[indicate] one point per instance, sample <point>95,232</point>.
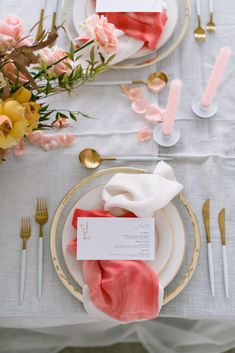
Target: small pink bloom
<point>144,134</point>
<point>11,28</point>
<point>51,55</point>
<point>19,149</point>
<point>140,107</point>
<point>10,72</point>
<point>154,114</point>
<point>102,32</point>
<point>60,123</point>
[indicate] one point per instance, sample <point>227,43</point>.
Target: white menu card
<point>129,5</point>
<point>115,238</point>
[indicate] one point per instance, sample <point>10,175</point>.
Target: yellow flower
<point>22,95</point>
<point>13,123</point>
<point>32,115</point>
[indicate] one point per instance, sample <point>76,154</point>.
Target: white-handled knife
<point>206,219</point>
<point>221,220</point>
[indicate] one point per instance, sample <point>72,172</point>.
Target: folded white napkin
<point>142,194</point>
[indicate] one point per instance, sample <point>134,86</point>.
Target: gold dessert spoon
<point>91,159</point>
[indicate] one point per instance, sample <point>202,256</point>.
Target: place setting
<point>124,241</point>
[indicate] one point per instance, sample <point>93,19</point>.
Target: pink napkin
<point>144,26</point>
<point>124,290</point>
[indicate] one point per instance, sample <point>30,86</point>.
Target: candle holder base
<point>204,112</point>
<point>164,140</point>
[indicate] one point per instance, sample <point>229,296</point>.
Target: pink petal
<point>140,107</point>
<point>144,134</point>
<point>125,89</point>
<point>154,114</point>
<point>83,38</point>
<point>136,94</point>
<point>35,137</point>
<point>157,85</point>
<point>19,149</point>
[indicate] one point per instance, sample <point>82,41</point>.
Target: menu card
<point>129,5</point>
<point>115,238</point>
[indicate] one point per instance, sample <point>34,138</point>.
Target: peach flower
<point>144,134</point>
<point>51,55</point>
<point>102,32</point>
<point>60,123</point>
<point>11,33</point>
<point>10,72</point>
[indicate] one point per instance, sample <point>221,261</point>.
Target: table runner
<point>204,161</point>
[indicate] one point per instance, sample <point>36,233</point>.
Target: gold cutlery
<point>25,235</point>
<point>206,219</point>
<point>157,76</point>
<point>91,159</point>
<point>199,32</point>
<point>221,220</point>
<point>41,218</point>
<point>210,27</point>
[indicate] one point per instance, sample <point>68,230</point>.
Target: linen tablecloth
<point>204,162</point>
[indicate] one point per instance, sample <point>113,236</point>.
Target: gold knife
<point>206,219</point>
<point>221,220</point>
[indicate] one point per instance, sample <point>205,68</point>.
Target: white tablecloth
<point>204,161</point>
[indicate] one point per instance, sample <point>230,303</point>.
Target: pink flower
<point>51,55</point>
<point>60,123</point>
<point>144,134</point>
<point>102,32</point>
<point>10,72</point>
<point>11,31</point>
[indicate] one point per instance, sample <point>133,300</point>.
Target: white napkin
<point>142,194</point>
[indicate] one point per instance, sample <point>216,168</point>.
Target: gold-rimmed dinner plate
<point>139,57</point>
<point>170,239</point>
<point>192,234</point>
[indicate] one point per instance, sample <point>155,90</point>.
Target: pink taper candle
<point>216,74</point>
<point>171,108</point>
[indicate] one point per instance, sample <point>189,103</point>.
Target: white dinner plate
<point>170,236</point>
<point>129,48</point>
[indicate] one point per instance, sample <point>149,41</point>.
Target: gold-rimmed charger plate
<point>60,215</point>
<point>159,54</point>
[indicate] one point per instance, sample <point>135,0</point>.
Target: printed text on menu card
<point>129,5</point>
<point>115,238</point>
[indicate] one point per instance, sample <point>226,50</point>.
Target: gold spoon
<point>154,79</point>
<point>91,159</point>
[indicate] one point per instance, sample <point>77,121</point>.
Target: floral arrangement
<point>31,71</point>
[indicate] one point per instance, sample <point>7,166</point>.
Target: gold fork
<point>25,235</point>
<point>199,32</point>
<point>211,25</point>
<point>41,218</point>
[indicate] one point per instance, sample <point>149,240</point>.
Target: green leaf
<point>72,116</point>
<point>71,52</point>
<point>92,55</point>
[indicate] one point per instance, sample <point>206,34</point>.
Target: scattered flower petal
<point>156,85</point>
<point>154,114</point>
<point>144,134</point>
<point>48,142</point>
<point>140,107</point>
<point>19,149</point>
